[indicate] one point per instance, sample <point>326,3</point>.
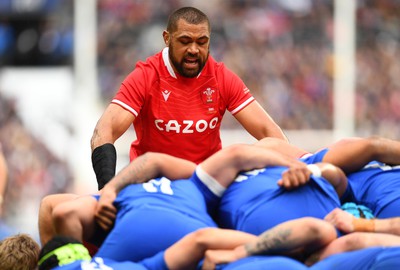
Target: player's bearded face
<point>189,64</point>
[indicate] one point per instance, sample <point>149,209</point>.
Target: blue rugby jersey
<point>154,215</point>
<point>255,203</point>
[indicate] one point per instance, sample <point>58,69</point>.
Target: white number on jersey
<point>244,176</point>
<point>382,166</point>
<point>162,185</point>
<point>96,264</point>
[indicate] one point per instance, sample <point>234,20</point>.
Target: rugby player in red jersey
<point>176,100</point>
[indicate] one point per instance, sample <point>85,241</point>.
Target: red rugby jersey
<point>177,115</point>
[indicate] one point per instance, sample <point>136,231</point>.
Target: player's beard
<point>179,66</point>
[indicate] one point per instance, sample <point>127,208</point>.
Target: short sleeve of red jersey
<point>234,92</point>
<point>132,92</point>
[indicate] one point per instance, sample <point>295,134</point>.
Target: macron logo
<point>166,94</point>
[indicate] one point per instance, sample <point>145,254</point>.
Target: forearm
<point>228,162</point>
<point>112,124</point>
<point>258,122</point>
<point>141,169</point>
<point>151,165</point>
<point>351,154</point>
<point>390,225</point>
<point>293,237</point>
<point>385,150</point>
<point>281,146</point>
<point>187,252</point>
<point>104,162</point>
<point>104,153</point>
<point>100,138</point>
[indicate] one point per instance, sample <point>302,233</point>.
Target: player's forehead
<point>185,29</point>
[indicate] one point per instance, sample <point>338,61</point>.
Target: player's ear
<point>166,37</point>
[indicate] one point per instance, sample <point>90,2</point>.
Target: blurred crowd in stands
<point>283,50</point>
<point>36,32</point>
<point>33,172</point>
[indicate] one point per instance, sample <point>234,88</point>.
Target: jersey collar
<point>168,65</point>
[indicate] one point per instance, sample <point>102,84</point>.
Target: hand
<point>295,176</point>
<point>105,210</point>
<point>341,220</point>
<point>215,257</point>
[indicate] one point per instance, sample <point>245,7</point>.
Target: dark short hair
<point>189,14</point>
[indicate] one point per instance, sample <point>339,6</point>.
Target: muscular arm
<point>281,146</point>
<point>258,122</point>
<point>352,154</point>
<point>223,246</point>
<point>111,125</point>
<point>362,233</point>
<point>225,164</point>
<point>141,169</point>
<point>347,223</point>
<point>295,238</point>
<point>389,225</point>
<point>188,251</point>
<point>149,166</point>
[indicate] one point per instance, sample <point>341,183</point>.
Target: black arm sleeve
<point>104,161</point>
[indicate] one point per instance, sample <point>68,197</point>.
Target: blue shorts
<point>156,262</point>
<point>142,233</point>
<point>369,258</point>
<point>264,262</point>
